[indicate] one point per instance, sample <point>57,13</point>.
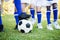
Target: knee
<point>54,5</point>
<point>32,6</point>
<point>38,9</point>
<point>48,7</point>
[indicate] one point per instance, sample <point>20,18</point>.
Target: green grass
<point>36,34</point>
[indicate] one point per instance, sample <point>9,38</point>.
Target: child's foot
<point>49,27</point>
<point>1,28</point>
<point>40,26</point>
<point>56,25</point>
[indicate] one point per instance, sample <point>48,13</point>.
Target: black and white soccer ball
<point>25,26</point>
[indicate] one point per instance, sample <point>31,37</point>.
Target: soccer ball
<point>25,26</point>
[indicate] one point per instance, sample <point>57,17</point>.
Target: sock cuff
<point>38,12</point>
<point>15,14</point>
<point>48,11</point>
<point>31,8</point>
<point>54,9</point>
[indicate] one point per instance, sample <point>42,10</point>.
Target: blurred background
<point>8,8</point>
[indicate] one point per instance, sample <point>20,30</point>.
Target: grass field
<point>36,34</point>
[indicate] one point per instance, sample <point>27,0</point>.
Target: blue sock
<point>48,16</point>
<point>32,11</point>
<point>39,17</point>
<point>55,13</point>
<point>0,21</point>
<point>16,18</point>
<point>18,8</point>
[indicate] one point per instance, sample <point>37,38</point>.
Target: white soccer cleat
<point>40,26</point>
<point>33,21</point>
<point>49,27</point>
<point>56,25</point>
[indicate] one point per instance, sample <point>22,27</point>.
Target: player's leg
<point>1,25</point>
<point>18,12</point>
<point>32,11</point>
<point>39,16</point>
<point>48,13</point>
<point>23,7</point>
<point>55,11</point>
<point>55,14</point>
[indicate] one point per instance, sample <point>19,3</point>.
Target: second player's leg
<point>32,11</point>
<point>55,14</point>
<point>48,13</point>
<point>18,11</point>
<point>39,16</point>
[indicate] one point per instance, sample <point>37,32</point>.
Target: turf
<point>36,34</point>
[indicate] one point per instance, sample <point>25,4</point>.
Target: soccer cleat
<point>24,16</point>
<point>49,27</point>
<point>56,25</point>
<point>40,26</point>
<point>33,21</point>
<point>1,28</point>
